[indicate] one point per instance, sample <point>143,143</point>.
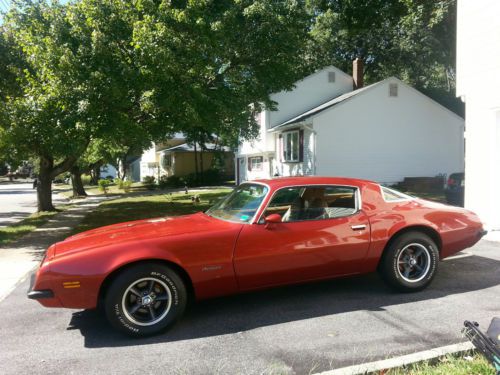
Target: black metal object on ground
<point>487,344</point>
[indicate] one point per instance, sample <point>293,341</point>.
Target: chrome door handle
<point>358,227</point>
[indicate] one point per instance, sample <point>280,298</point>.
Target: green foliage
<point>86,180</point>
<point>210,177</point>
<point>413,40</point>
<point>149,182</point>
<point>104,185</point>
<point>124,185</point>
<point>170,182</point>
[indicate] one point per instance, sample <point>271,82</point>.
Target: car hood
<point>139,230</point>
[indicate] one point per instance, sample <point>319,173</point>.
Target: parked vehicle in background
<point>454,190</point>
<point>265,233</point>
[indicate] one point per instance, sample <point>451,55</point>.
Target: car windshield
<point>241,205</point>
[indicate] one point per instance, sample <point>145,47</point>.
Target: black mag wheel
<point>414,262</point>
<point>410,262</point>
<point>145,299</point>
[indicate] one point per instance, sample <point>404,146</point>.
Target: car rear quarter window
<point>391,195</point>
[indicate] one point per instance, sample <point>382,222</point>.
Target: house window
<point>255,163</point>
<point>166,160</point>
<point>291,146</point>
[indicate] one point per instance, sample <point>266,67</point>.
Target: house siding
<point>309,93</point>
<point>390,138</point>
<point>478,83</point>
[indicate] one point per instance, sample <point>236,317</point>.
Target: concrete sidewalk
<point>20,257</point>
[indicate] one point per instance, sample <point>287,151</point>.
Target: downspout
<point>313,146</point>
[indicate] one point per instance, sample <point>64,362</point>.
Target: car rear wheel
<point>410,262</point>
<point>145,299</point>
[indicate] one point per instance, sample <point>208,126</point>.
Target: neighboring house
<point>478,83</point>
<point>134,174</point>
<point>384,132</point>
<point>176,157</point>
<point>150,159</point>
<point>180,160</point>
<point>108,171</point>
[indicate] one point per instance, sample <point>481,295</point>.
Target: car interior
<point>313,203</point>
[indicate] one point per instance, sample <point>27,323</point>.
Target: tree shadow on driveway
<point>245,312</point>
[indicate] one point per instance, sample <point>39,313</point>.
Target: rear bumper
<point>483,233</point>
<point>38,294</point>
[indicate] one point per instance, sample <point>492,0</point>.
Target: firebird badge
<point>211,268</point>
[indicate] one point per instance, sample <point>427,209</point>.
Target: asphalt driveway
<point>298,329</point>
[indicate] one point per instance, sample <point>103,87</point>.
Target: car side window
<point>313,203</point>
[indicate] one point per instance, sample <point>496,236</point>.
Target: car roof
<point>278,182</point>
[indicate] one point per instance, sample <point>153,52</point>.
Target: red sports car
<point>265,233</point>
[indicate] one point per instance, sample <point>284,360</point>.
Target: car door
<point>314,242</point>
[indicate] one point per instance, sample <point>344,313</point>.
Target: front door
<point>323,234</point>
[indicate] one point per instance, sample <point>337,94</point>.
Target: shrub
<point>123,185</point>
<point>149,182</point>
<point>126,185</point>
<point>170,182</point>
<point>119,183</point>
<point>210,177</point>
<point>104,185</point>
<point>86,180</point>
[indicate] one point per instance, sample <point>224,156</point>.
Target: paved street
<point>17,201</point>
<point>299,329</point>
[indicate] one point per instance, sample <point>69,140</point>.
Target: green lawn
<point>66,190</point>
<point>143,207</point>
<point>19,229</point>
<point>449,365</point>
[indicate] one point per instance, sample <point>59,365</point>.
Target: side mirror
<point>272,219</point>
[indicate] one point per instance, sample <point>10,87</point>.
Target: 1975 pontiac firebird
<point>265,233</point>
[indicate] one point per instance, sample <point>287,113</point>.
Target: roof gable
<point>333,103</point>
<point>311,91</point>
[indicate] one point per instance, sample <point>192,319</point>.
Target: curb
<point>404,360</point>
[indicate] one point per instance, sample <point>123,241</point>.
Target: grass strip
<point>145,207</point>
<point>15,231</point>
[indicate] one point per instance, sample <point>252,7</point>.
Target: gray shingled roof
<point>190,148</point>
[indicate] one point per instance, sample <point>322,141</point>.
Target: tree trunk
<point>76,181</point>
<point>44,186</point>
<point>201,165</point>
<point>196,163</point>
<point>95,174</point>
<point>124,168</point>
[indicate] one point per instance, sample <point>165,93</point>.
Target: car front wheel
<point>145,299</point>
<point>410,262</point>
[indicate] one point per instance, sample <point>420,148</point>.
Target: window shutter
<point>280,147</point>
<point>249,164</point>
<point>301,145</point>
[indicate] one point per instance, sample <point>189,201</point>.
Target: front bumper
<point>38,294</point>
<point>483,233</point>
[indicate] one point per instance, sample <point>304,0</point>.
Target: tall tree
<point>211,64</point>
<point>414,40</point>
<point>75,83</point>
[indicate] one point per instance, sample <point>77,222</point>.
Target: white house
<point>478,84</point>
<point>384,132</point>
